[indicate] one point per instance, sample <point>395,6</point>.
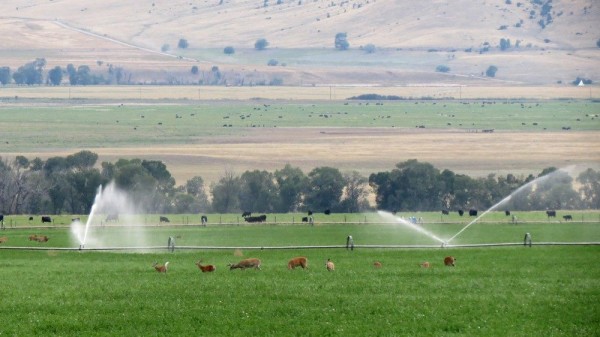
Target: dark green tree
<point>55,75</point>
<point>182,44</point>
<point>355,193</point>
<point>491,71</point>
<point>341,41</point>
<point>194,70</point>
<point>590,188</point>
<point>229,50</point>
<point>325,188</point>
<point>258,192</point>
<point>5,75</point>
<point>261,44</point>
<point>291,182</point>
<point>226,194</point>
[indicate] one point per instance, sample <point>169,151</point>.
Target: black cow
<point>327,212</point>
<point>309,212</point>
<point>304,219</point>
<point>112,217</point>
<point>568,217</point>
<point>204,219</point>
<point>551,214</point>
<point>445,212</point>
<point>260,218</point>
<point>1,217</point>
<point>164,219</point>
<point>472,212</point>
<point>245,214</point>
<point>46,219</point>
<point>30,218</point>
<point>507,212</point>
<point>461,212</point>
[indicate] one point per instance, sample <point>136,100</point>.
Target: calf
<point>304,219</point>
<point>163,219</point>
<point>244,264</point>
<point>300,261</point>
<point>449,261</point>
<point>551,214</point>
<point>568,217</point>
<point>46,219</point>
<point>3,239</point>
<point>377,264</point>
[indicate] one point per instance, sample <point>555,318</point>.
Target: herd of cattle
<point>474,212</point>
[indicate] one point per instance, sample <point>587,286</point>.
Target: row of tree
<point>69,185</point>
<point>33,73</point>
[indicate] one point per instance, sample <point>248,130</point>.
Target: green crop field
<point>90,125</point>
<point>498,291</point>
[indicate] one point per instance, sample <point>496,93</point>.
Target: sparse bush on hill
<point>341,41</point>
<point>369,48</point>
<point>491,71</point>
<point>261,44</point>
<point>598,43</point>
<point>30,73</point>
<point>504,44</point>
<point>272,62</point>
<point>442,68</point>
<point>182,44</point>
<point>228,50</point>
<point>165,48</point>
<point>194,70</point>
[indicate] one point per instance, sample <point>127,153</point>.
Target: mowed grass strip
<point>518,291</point>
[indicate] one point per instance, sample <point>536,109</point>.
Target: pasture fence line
<point>172,249</point>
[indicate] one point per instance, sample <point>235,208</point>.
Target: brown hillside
<point>411,39</point>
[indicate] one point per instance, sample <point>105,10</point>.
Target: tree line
<point>68,185</point>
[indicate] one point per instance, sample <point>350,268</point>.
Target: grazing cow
<point>30,218</point>
<point>472,212</point>
<point>551,214</point>
<point>310,212</point>
<point>112,217</point>
<point>425,264</point>
<point>445,212</point>
<point>46,219</point>
<point>245,214</point>
<point>304,219</point>
<point>3,239</point>
<point>33,237</point>
<point>461,212</point>
<point>164,219</point>
<point>377,264</point>
<point>204,220</point>
<point>244,264</point>
<point>329,264</point>
<point>299,261</point>
<point>507,212</point>
<point>568,217</point>
<point>327,212</point>
<point>449,261</point>
<point>75,219</point>
<point>260,218</point>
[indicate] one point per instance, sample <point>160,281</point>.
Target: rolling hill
<point>391,42</point>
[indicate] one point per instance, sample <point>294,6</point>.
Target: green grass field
<point>501,291</point>
<point>90,126</point>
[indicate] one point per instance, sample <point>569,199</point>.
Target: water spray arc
<point>501,202</point>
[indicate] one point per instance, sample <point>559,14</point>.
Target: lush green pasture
<point>517,291</point>
<point>90,125</point>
